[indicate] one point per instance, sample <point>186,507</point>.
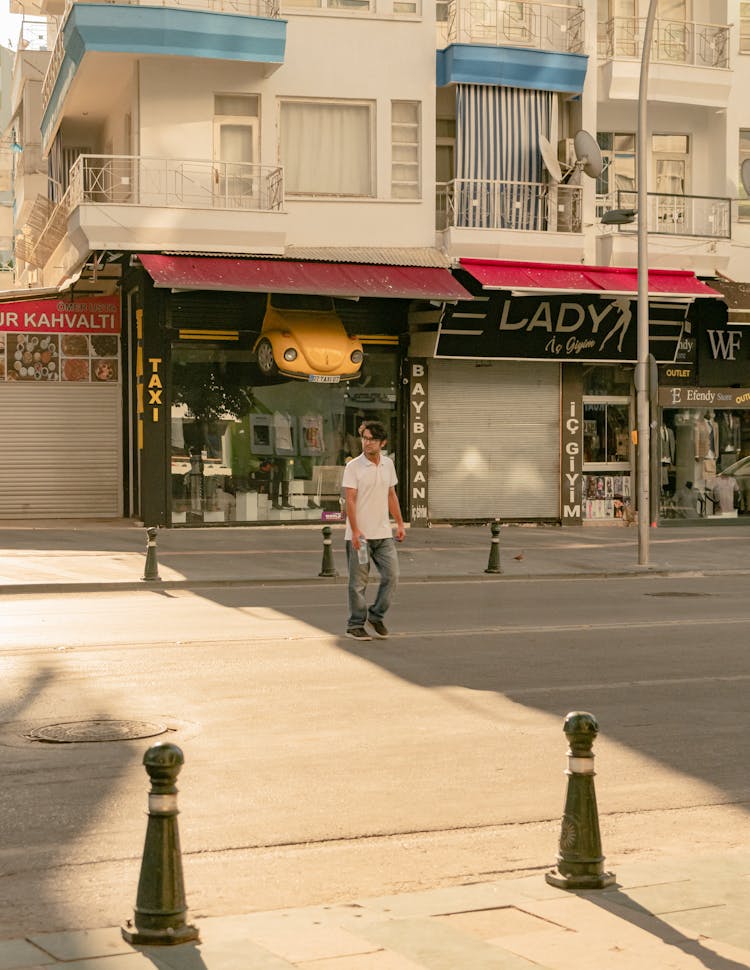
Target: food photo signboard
<point>61,340</point>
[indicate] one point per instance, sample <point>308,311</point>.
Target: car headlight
<point>290,354</point>
<point>357,357</point>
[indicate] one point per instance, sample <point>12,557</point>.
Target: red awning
<point>288,276</point>
<point>563,277</point>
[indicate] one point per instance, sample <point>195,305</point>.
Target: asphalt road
<point>318,768</point>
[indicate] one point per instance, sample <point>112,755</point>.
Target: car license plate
<point>324,378</point>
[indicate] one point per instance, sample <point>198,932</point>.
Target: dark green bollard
<point>493,563</point>
<point>151,569</point>
<point>580,863</point>
<point>160,907</point>
<point>327,568</point>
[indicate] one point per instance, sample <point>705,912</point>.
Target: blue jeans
<point>383,555</point>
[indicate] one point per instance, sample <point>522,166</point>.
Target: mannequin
<point>706,445</point>
<point>666,452</point>
<point>729,438</point>
<point>684,448</point>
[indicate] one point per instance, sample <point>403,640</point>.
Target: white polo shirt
<point>372,483</point>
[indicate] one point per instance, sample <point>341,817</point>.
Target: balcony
<point>675,42</point>
<point>248,31</point>
<point>689,61</point>
<point>506,23</point>
<point>145,192</point>
<point>701,216</point>
<point>524,206</point>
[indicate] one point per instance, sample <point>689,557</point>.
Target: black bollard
<point>327,568</point>
<point>580,863</point>
<point>493,563</point>
<point>151,569</point>
<point>160,907</point>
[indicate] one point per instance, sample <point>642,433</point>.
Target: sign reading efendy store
<point>497,325</point>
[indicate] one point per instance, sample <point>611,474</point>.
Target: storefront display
<point>266,452</point>
<point>703,452</point>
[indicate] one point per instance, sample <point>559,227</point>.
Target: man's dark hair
<point>376,429</point>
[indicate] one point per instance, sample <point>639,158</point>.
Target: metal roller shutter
<point>494,439</point>
<point>62,454</point>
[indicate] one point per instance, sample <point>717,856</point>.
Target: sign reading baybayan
<point>95,314</point>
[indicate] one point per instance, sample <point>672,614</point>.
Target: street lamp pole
<point>642,368</point>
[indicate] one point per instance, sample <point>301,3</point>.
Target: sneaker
<point>381,630</point>
<point>358,633</point>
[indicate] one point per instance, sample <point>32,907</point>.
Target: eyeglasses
<point>368,437</point>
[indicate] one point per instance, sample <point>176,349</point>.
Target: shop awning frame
<point>528,278</point>
<point>344,280</point>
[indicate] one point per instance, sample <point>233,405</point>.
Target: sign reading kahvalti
<point>93,314</point>
<point>554,327</point>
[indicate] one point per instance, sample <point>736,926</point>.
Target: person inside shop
<point>369,484</point>
<point>686,501</point>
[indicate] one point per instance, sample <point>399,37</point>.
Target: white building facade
<point>197,165</point>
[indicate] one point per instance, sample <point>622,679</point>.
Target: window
<point>670,154</point>
<point>743,206</point>
<point>405,153</point>
<point>326,148</point>
<point>236,149</point>
<point>744,26</point>
<point>618,154</point>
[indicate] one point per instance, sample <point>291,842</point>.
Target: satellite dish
<point>588,154</point>
<point>745,175</point>
<point>549,158</point>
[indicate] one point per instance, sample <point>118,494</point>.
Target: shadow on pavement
<point>53,793</point>
<point>619,904</point>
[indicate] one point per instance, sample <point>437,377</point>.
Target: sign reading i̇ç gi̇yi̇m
<point>95,314</point>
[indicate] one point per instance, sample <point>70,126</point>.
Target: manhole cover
<point>77,732</point>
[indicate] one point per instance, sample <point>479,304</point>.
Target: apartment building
<point>240,230</point>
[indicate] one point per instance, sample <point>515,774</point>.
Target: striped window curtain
<point>499,168</point>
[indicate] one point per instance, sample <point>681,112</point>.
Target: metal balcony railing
<point>705,216</point>
<point>246,8</point>
<point>494,204</point>
<point>675,41</point>
<point>515,23</point>
<point>132,180</point>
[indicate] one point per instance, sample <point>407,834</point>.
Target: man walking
<point>370,487</point>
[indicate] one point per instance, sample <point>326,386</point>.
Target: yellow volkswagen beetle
<point>303,337</point>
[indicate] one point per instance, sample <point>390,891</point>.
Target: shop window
<point>701,472</point>
<point>326,148</point>
<point>607,421</point>
<point>602,381</point>
<point>247,451</point>
<point>405,149</point>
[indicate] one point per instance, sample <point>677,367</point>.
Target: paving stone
<point>378,960</point>
<point>435,946</point>
<point>490,924</point>
<point>82,944</point>
<point>21,953</point>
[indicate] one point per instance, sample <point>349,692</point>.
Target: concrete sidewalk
<point>682,913</point>
<point>103,555</point>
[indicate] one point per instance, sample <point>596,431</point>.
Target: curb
<point>125,586</point>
